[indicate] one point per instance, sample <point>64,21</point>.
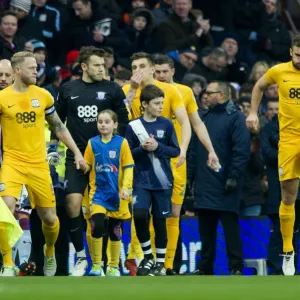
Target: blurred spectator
<point>271,92</point>
<point>109,60</point>
<point>112,8</point>
<point>90,25</point>
<point>76,73</point>
<point>249,16</point>
<point>9,42</point>
<point>258,70</point>
<point>138,33</point>
<point>182,29</point>
<point>49,19</point>
<point>27,27</point>
<point>220,14</point>
<point>123,77</point>
<point>162,10</point>
<point>134,4</point>
<point>246,90</point>
<point>196,82</point>
<point>253,196</point>
<point>218,194</point>
<point>53,87</point>
<point>184,62</point>
<point>236,71</point>
<point>273,38</point>
<point>271,110</point>
<point>70,59</point>
<point>212,66</point>
<point>245,103</point>
<point>234,95</point>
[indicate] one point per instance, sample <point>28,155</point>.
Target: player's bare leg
<point>9,268</point>
<point>173,234</point>
<point>50,226</point>
<point>73,207</point>
<point>289,189</point>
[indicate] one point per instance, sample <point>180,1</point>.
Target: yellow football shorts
<point>289,159</point>
<point>179,185</point>
<point>36,179</point>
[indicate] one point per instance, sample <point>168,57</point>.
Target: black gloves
<point>230,185</point>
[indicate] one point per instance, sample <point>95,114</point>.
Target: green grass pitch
<point>125,288</point>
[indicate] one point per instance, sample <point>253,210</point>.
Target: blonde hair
<point>256,65</point>
<point>113,116</point>
<point>19,58</point>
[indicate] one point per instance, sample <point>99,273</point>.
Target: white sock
<point>24,246</point>
<point>81,254</point>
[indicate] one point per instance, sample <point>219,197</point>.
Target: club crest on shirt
<point>112,154</point>
<point>2,187</point>
<point>160,133</point>
<point>101,95</point>
<point>35,103</point>
<point>43,18</point>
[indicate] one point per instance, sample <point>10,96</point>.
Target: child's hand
<point>124,194</point>
<point>84,166</point>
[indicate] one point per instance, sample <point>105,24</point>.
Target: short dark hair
<point>7,13</point>
<point>161,59</point>
<point>123,75</point>
<point>223,87</point>
<point>150,92</point>
<point>85,2</point>
<point>86,52</point>
<point>140,55</point>
<point>272,100</point>
<point>296,41</point>
<point>217,53</point>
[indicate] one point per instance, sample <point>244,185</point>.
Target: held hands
<point>204,24</point>
<point>79,161</point>
<point>150,144</point>
<point>125,194</point>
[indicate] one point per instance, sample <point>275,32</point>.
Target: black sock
<point>143,234</point>
<point>75,232</point>
<point>161,240</point>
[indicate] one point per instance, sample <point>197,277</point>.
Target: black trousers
<point>208,222</point>
<point>61,246</point>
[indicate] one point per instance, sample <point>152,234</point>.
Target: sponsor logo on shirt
<point>108,168</point>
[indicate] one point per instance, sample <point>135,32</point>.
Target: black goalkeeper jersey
<point>79,103</point>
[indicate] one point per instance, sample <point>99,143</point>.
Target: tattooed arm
<point>57,127</point>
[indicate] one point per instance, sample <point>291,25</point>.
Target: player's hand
<point>182,158</point>
<point>252,122</point>
<point>79,161</point>
<point>151,144</point>
<point>124,194</point>
<point>213,161</point>
<point>136,80</point>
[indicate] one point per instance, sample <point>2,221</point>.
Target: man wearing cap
<point>27,27</point>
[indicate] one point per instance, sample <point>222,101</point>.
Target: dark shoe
<point>27,269</point>
<point>171,272</point>
<point>198,272</point>
<point>236,272</point>
<point>145,267</point>
<point>159,269</point>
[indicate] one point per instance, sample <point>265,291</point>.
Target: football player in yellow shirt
<point>23,109</point>
<point>287,77</point>
<point>143,74</point>
<point>164,72</point>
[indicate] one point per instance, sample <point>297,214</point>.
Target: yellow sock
<point>152,237</point>
<point>287,220</point>
<point>50,234</point>
<point>108,251</point>
<point>5,248</point>
<point>97,250</point>
<point>135,249</point>
<point>173,234</point>
<point>89,235</point>
<point>115,250</point>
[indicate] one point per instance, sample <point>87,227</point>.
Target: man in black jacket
<point>218,194</point>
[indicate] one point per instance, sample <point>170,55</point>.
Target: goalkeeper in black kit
<point>79,103</point>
